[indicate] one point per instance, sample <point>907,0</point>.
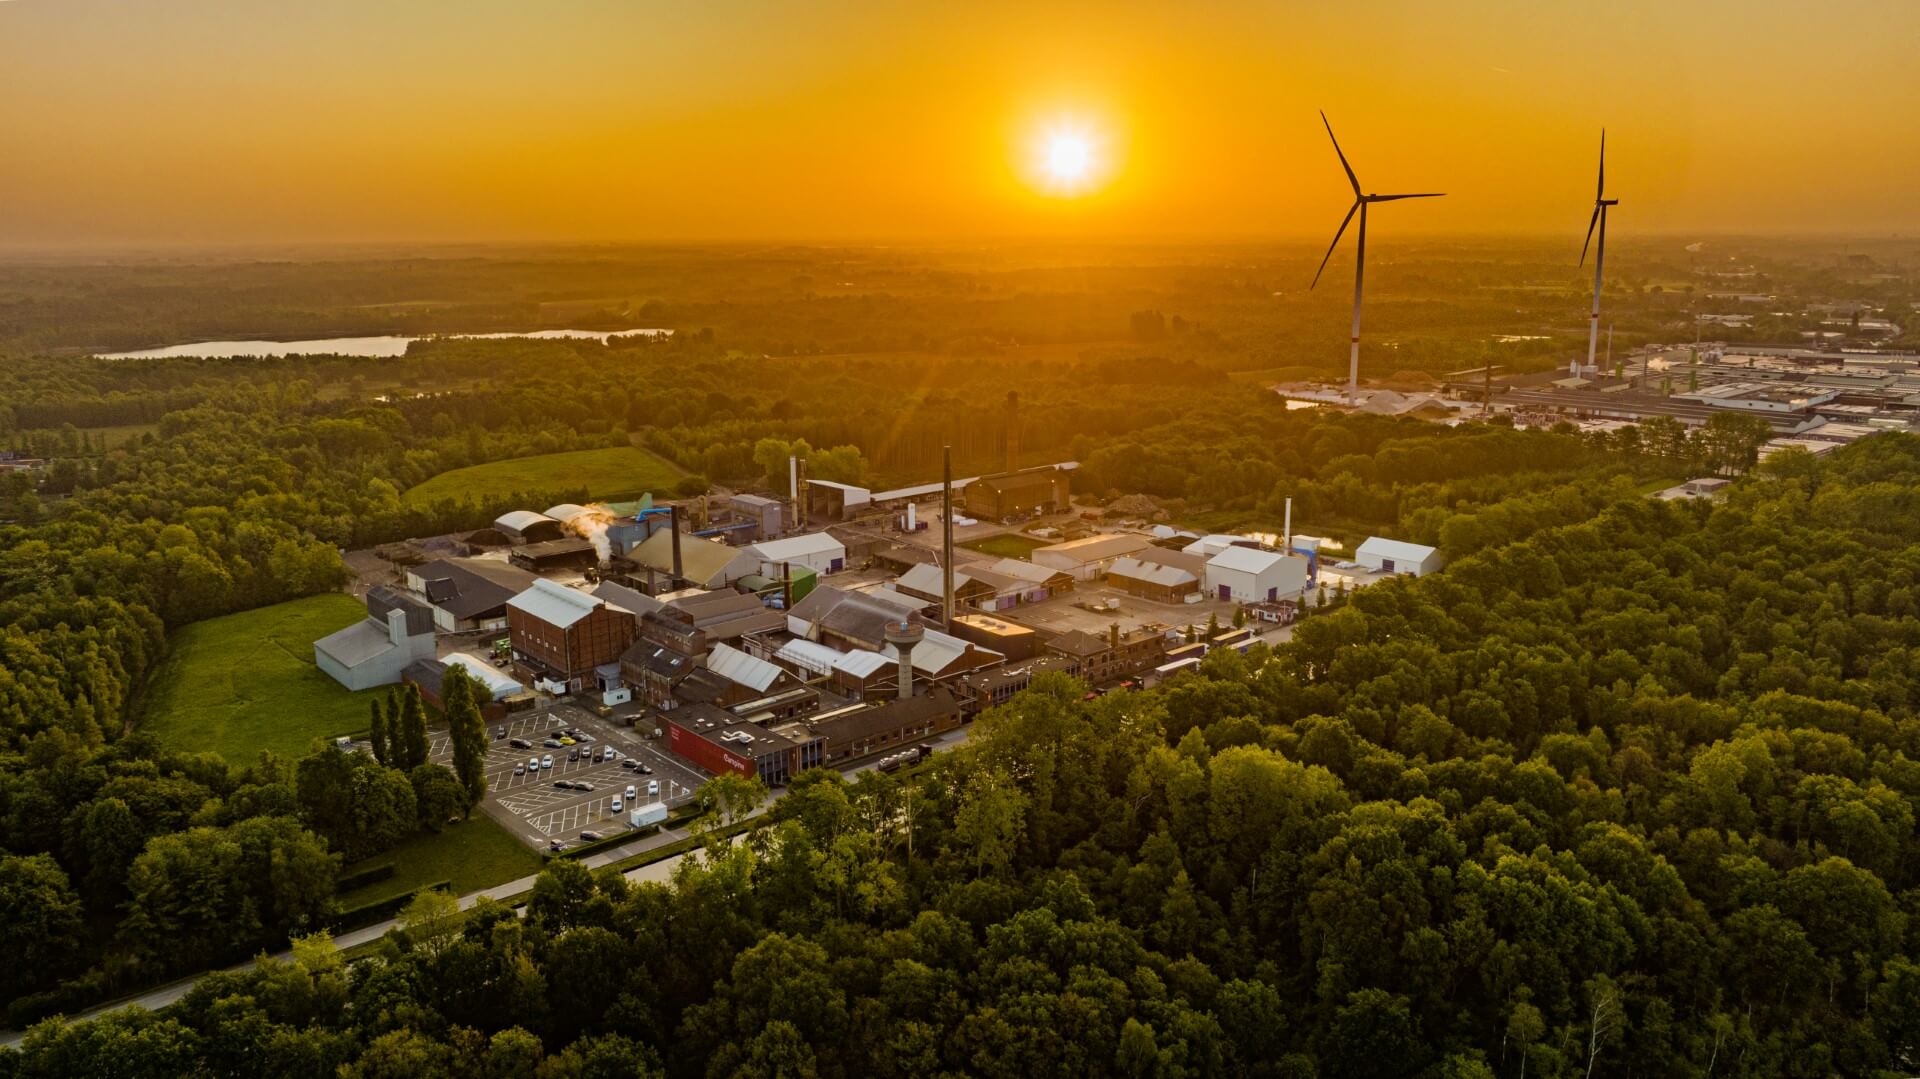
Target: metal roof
<point>1150,572</point>
<point>1096,547</point>
<point>1026,571</point>
<point>796,547</point>
<point>736,666</point>
<point>861,663</point>
<point>554,604</point>
<point>520,520</point>
<point>357,643</point>
<point>1246,560</point>
<point>1398,550</point>
<point>801,652</point>
<point>497,683</point>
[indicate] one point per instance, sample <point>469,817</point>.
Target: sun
<point>1069,159</point>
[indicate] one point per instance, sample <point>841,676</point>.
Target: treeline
<point>1633,794</point>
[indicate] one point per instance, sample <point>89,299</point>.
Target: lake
<point>355,346</point>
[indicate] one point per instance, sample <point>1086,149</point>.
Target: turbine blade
<point>1351,210</point>
<point>1600,190</point>
<point>1351,178</point>
<point>1393,198</point>
<point>1595,220</point>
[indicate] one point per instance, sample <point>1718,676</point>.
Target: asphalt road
<point>659,872</point>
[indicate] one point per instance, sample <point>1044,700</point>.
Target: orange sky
<point>196,121</point>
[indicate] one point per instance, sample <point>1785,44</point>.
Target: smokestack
<point>800,513</point>
<point>673,522</point>
<point>903,635</point>
<point>786,587</point>
<point>1286,532</point>
<point>946,545</point>
<point>1113,636</point>
<point>1013,431</point>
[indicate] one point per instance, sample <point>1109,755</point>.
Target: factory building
<point>1087,558</point>
<point>1152,580</point>
<point>554,556</point>
<point>1026,493</point>
<point>704,563</point>
<point>1251,575</point>
<point>817,551</point>
<point>468,593</point>
<point>1010,639</point>
<point>560,635</point>
<point>397,631</point>
<point>1393,556</point>
<point>767,514</point>
<point>927,581</point>
<point>525,526</point>
<point>1103,659</point>
<point>1034,583</point>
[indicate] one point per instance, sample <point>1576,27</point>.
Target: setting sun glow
<point>1069,160</point>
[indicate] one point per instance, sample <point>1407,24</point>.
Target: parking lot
<point>520,789</point>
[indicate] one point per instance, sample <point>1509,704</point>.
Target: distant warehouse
<point>1394,556</point>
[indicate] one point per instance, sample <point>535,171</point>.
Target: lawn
<point>615,472</point>
<point>245,682</point>
<point>474,854</point>
<point>1005,545</point>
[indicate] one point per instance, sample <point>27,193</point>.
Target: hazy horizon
<point>211,124</point>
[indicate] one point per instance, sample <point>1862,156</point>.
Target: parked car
<point>563,784</point>
<point>556,846</point>
<point>565,741</point>
<point>573,754</point>
<point>617,805</point>
<point>629,764</point>
<point>499,733</point>
<point>632,791</point>
<point>520,743</point>
<point>533,764</point>
<point>645,770</point>
<point>589,836</point>
<point>653,788</point>
<point>582,785</point>
<point>552,743</point>
<point>519,769</point>
<point>546,761</point>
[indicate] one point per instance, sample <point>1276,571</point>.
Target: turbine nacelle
<point>1360,201</point>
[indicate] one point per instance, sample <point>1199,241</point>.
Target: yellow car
<point>565,741</point>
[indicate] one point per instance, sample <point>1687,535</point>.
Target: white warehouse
<point>1395,556</point>
<point>1250,575</point>
<point>817,551</point>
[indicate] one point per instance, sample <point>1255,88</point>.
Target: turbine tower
<point>1360,204</point>
<point>1599,220</point>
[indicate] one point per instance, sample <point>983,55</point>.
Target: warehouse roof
<point>935,653</point>
<point>1246,559</point>
<point>794,548</point>
<point>466,587</point>
<point>1397,550</point>
<point>1151,572</point>
<point>627,599</point>
<point>498,684</point>
<point>520,520</point>
<point>357,643</point>
<point>1026,571</point>
<point>861,663</point>
<point>1160,556</point>
<point>700,559</point>
<point>927,577</point>
<point>554,604</point>
<point>1097,547</point>
<point>736,666</point>
<point>849,614</point>
<point>382,599</point>
<point>814,657</point>
<point>565,511</point>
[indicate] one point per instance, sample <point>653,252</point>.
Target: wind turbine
<point>1599,220</point>
<point>1360,204</point>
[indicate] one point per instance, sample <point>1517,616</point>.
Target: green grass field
<point>473,854</point>
<point>615,472</point>
<point>245,682</point>
<point>1005,545</point>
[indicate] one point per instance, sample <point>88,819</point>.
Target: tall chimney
<point>903,635</point>
<point>946,545</point>
<point>1286,530</point>
<point>1113,636</point>
<point>673,522</point>
<point>786,587</point>
<point>1013,431</point>
<point>800,513</point>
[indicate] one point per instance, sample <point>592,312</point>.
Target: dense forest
<point>1630,791</point>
